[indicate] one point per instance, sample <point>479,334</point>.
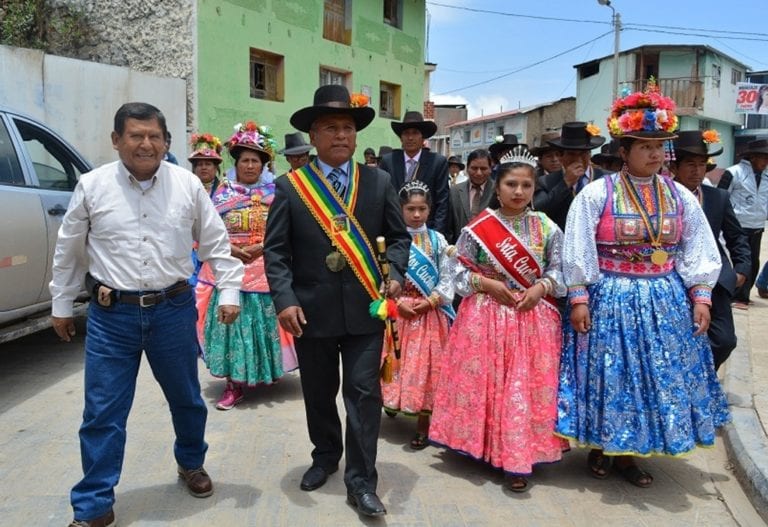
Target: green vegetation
<point>41,24</point>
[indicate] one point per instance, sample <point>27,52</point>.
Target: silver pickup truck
<point>38,171</point>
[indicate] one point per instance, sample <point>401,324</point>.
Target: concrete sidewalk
<point>746,376</point>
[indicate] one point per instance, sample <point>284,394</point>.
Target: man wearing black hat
<point>609,159</point>
<point>689,168</point>
<point>413,161</point>
<point>296,150</point>
<point>323,221</point>
<point>747,183</point>
<point>555,191</point>
<point>455,171</point>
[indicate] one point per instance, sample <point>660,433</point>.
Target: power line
<point>529,65</point>
<point>740,53</point>
<point>700,29</point>
<point>632,28</point>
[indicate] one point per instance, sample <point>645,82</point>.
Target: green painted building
<point>263,60</point>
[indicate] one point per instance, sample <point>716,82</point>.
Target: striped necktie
<point>336,179</point>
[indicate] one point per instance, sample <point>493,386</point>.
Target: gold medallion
<point>335,261</point>
<point>659,257</point>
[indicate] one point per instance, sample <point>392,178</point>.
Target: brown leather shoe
<point>107,520</point>
<point>198,482</point>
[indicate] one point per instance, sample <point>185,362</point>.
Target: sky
<point>471,47</point>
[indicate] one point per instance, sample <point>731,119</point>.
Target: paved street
<point>259,450</point>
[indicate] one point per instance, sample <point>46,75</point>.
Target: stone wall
<point>144,35</point>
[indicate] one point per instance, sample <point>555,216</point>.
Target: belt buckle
<point>149,296</point>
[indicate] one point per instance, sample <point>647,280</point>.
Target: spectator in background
<point>456,171</point>
<point>547,155</point>
<point>296,150</point>
<point>609,159</point>
<point>370,157</point>
<point>168,155</point>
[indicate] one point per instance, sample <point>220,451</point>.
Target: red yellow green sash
<point>325,205</point>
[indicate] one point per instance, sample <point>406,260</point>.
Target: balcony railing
<point>687,92</point>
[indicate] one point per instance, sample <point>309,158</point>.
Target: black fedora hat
<point>692,142</point>
<point>544,146</point>
<point>575,136</point>
<point>332,99</point>
<point>414,119</point>
<point>503,143</point>
<point>759,146</point>
<point>456,160</point>
<point>295,145</point>
<point>608,152</point>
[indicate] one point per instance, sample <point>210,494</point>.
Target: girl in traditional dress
<point>497,396</point>
<point>425,314</point>
<point>640,261</point>
<point>253,350</point>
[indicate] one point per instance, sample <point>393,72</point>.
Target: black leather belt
<point>154,297</point>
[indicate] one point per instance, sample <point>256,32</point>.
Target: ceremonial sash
<point>507,252</point>
<point>347,237</point>
<point>423,273</point>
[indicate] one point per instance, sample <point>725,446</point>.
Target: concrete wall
<point>550,118</point>
<point>720,98</point>
<point>79,99</point>
<point>378,52</point>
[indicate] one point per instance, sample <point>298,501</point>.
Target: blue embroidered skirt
<point>639,382</point>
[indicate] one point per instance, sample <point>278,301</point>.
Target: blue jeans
<point>114,342</point>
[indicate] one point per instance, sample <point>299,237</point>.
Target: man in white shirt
<point>130,225</point>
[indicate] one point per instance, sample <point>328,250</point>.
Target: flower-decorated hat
<point>334,99</point>
<point>253,137</point>
<point>578,135</point>
<point>698,143</point>
<point>643,115</point>
<point>205,147</point>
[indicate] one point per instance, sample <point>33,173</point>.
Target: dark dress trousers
<point>335,306</point>
<point>553,197</point>
<point>460,207</point>
<point>717,207</point>
<point>433,172</point>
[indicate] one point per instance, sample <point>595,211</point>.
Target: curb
<point>745,439</point>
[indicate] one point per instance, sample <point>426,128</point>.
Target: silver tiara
<point>415,184</point>
<point>519,154</point>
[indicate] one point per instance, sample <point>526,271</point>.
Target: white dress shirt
<point>133,239</point>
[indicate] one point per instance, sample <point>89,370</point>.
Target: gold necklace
<point>659,256</point>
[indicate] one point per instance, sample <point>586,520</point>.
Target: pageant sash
<point>347,237</point>
<point>507,252</point>
<point>424,274</point>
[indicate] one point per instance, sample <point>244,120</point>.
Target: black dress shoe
<point>316,476</point>
<point>367,504</point>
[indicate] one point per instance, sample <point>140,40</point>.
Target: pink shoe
<point>233,394</point>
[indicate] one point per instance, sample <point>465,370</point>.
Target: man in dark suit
<point>461,194</point>
<point>321,301</point>
<point>555,191</point>
<point>689,167</point>
<point>413,161</point>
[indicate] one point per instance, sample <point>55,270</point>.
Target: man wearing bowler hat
<point>747,183</point>
<point>296,150</point>
<point>609,159</point>
<point>413,161</point>
<point>692,150</point>
<point>322,225</point>
<point>555,191</point>
<point>456,171</point>
<point>547,155</point>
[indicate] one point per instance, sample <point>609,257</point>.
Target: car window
<point>52,161</point>
<point>10,169</point>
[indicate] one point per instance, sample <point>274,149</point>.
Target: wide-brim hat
<point>295,145</point>
<point>759,146</point>
<point>695,142</point>
<point>456,160</point>
<point>544,145</point>
<point>608,152</point>
<point>646,114</point>
<point>383,150</point>
<point>503,143</point>
<point>205,147</point>
<point>413,119</point>
<point>577,135</point>
<point>334,99</point>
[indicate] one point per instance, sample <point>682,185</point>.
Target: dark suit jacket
<point>717,207</point>
<point>433,172</point>
<point>295,248</point>
<point>553,197</point>
<point>460,207</point>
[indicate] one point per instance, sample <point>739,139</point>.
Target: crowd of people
<point>520,302</point>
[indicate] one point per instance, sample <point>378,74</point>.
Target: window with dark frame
<point>266,75</point>
<point>389,100</point>
<point>393,13</point>
<point>331,76</point>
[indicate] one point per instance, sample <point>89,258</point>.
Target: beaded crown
<point>519,154</point>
